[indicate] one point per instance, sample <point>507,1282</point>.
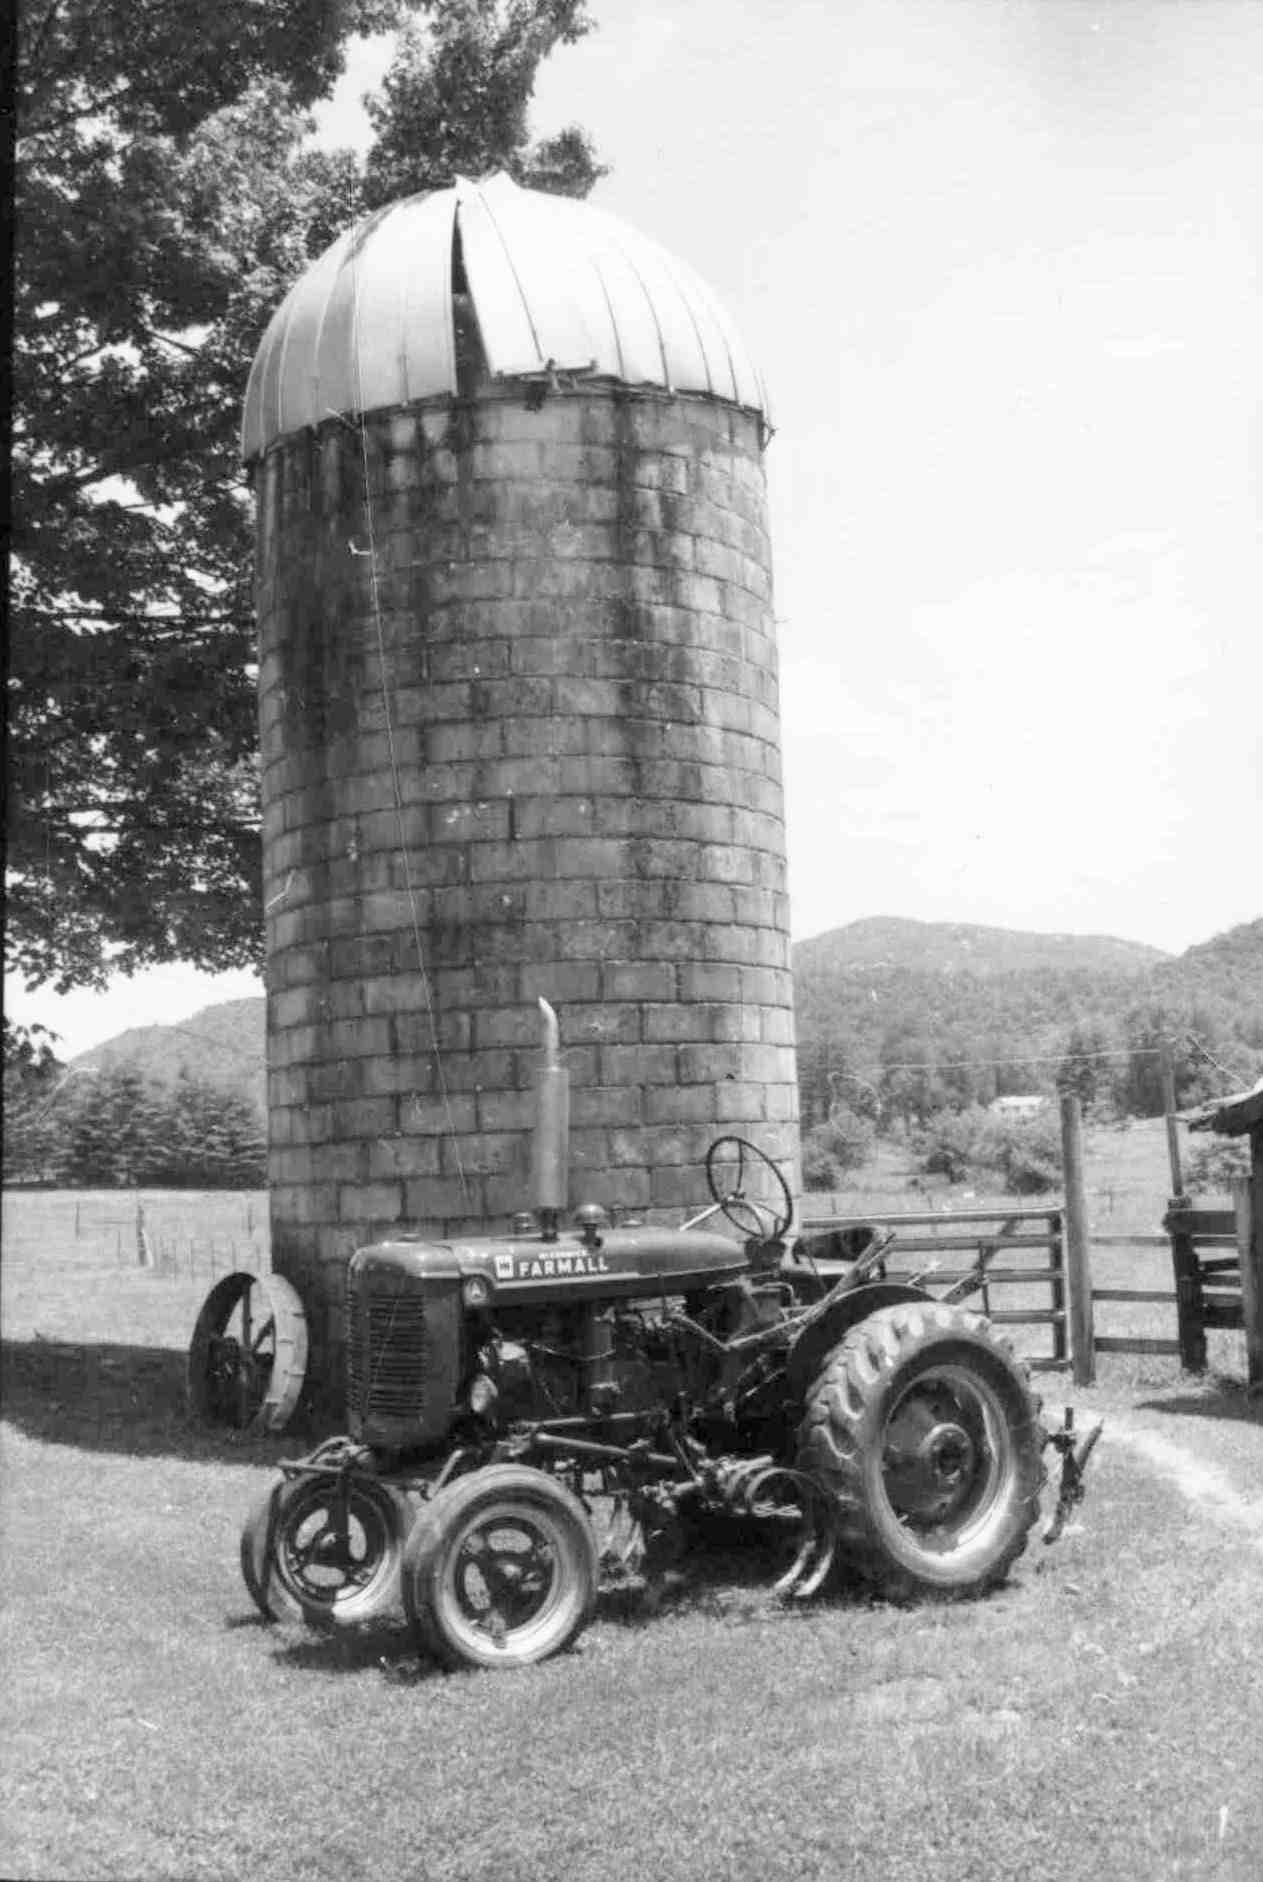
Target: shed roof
<point>1232,1116</point>
<point>553,283</point>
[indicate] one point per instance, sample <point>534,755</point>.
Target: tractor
<point>505,1392</point>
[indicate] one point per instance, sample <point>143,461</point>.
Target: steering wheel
<point>727,1187</point>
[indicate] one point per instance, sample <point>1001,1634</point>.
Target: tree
<point>834,1149</point>
<point>113,1126</point>
<point>33,1082</point>
<point>1086,1067</point>
<point>955,1144</point>
<point>1213,1166</point>
<point>215,1140</point>
<point>1027,1153</point>
<point>912,1088</point>
<point>456,99</point>
<point>165,199</point>
<point>1024,1154</point>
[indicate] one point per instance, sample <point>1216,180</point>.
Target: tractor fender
<point>819,1337</point>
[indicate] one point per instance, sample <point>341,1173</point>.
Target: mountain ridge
<point>944,990</point>
<point>221,1044</point>
<point>876,941</point>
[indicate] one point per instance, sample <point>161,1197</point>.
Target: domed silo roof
<point>553,283</point>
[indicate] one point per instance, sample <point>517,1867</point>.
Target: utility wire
<point>1010,1058</point>
<point>1235,1078</point>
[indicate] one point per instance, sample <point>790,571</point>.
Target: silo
<point>519,725</point>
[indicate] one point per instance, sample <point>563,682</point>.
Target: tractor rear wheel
<point>500,1569</point>
<point>924,1433</point>
<point>328,1567</point>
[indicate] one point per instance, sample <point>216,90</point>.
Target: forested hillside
<point>898,1023</point>
<point>222,1046</point>
<point>962,947</point>
<point>900,1019</point>
<point>158,1107</point>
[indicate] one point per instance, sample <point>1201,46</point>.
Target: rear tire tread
<point>835,1445</point>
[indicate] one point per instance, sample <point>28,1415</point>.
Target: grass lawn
<point>1101,1717</point>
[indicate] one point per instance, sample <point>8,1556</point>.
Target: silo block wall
<point>520,738</point>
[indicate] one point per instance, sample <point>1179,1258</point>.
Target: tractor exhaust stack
<point>550,1148</point>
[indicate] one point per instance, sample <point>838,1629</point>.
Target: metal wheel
<point>500,1569</point>
<point>248,1354</point>
<point>730,1162</point>
<point>336,1554</point>
<point>923,1429</point>
<point>947,1464</point>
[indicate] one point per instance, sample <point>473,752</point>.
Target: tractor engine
<point>592,1323</point>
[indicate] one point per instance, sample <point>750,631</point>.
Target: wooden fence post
<point>144,1252</point>
<point>1189,1300</point>
<point>1247,1196</point>
<point>1077,1247</point>
<point>1168,1108</point>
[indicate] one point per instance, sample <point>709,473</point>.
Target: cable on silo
<point>375,586</point>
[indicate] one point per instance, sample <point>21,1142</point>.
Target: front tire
<point>924,1433</point>
<point>500,1569</point>
<point>324,1570</point>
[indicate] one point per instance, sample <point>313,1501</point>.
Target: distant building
<point>1018,1107</point>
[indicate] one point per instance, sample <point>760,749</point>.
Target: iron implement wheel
<point>336,1549</point>
<point>500,1569</point>
<point>248,1354</point>
<point>923,1430</point>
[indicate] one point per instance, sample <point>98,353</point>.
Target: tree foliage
<point>456,101</point>
<point>834,1149</point>
<point>1215,1164</point>
<point>33,1077</point>
<point>908,1043</point>
<point>1022,1156</point>
<point>116,1129</point>
<point>167,194</point>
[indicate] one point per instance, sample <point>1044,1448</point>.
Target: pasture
<point>1100,1716</point>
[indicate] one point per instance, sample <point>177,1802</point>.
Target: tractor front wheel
<point>336,1550</point>
<point>924,1433</point>
<point>500,1569</point>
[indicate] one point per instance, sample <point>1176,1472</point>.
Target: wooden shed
<point>1241,1115</point>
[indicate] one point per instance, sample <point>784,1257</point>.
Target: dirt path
<point>1213,1457</point>
<point>1216,1490</point>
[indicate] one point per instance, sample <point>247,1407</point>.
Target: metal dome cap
<point>555,285</point>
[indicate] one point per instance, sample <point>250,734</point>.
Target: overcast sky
<point>1000,262</point>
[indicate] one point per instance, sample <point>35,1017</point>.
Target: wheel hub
<point>333,1549</point>
<point>947,1455</point>
<point>931,1461</point>
<point>504,1577</point>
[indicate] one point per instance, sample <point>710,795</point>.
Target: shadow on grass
<point>728,1577</point>
<point>129,1399</point>
<point>386,1647</point>
<point>1218,1398</point>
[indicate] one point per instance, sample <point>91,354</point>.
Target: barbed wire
<point>1235,1078</point>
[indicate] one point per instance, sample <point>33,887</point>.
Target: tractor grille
<point>387,1357</point>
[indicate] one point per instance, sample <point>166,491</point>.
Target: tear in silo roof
<point>554,283</point>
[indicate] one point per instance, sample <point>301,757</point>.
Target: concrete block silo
<point>519,723</point>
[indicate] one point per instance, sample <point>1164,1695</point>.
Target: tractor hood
<point>613,1261</point>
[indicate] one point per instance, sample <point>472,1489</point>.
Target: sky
<point>1001,264</point>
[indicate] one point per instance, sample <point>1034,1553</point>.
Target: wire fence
<point>191,1235</point>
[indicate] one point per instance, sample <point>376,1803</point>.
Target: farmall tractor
<point>526,1408</point>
